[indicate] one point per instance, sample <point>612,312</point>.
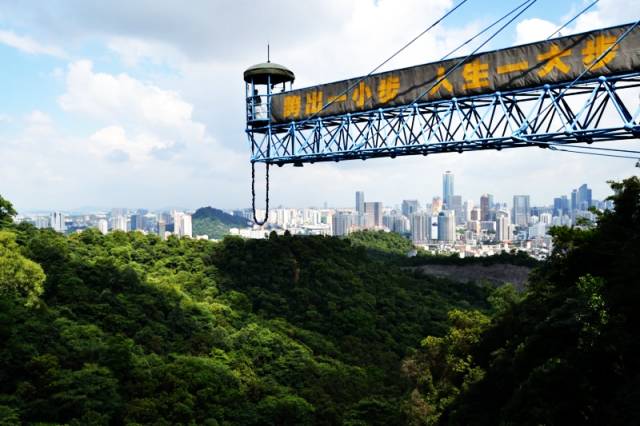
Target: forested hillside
<point>568,353</point>
<point>129,329</point>
<point>215,223</point>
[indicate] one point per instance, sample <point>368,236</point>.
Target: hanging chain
<point>253,194</point>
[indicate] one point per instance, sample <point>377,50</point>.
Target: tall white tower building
<point>103,226</point>
<point>57,221</point>
<point>182,225</point>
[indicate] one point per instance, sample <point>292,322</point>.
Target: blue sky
<point>139,103</point>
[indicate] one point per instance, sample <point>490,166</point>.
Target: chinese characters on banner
<point>531,65</point>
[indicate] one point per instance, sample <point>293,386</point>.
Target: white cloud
<point>132,51</point>
<point>535,29</point>
<point>606,13</point>
<point>29,45</point>
<point>120,97</point>
<point>38,118</point>
<point>113,144</point>
<point>174,134</point>
<point>141,120</point>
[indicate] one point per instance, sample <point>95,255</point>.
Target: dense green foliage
<point>215,223</point>
<point>382,242</point>
<point>19,276</point>
<point>567,353</point>
<point>129,329</point>
<point>134,330</point>
<point>7,212</point>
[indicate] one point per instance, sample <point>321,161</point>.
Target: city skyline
<point>319,205</point>
<point>469,228</point>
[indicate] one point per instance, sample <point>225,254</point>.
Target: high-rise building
<point>187,226</point>
<point>447,189</point>
<point>419,225</point>
<point>103,226</point>
<point>343,223</point>
<point>363,221</point>
<point>538,230</point>
<point>162,228</point>
<point>182,225</point>
<point>409,207</point>
<point>574,199</point>
<point>485,207</point>
<point>374,208</point>
<point>360,202</point>
<point>476,214</point>
<point>561,206</point>
<point>447,226</point>
<point>56,220</point>
<point>436,206</point>
<point>456,206</point>
<point>491,203</point>
<point>503,227</point>
<point>467,207</point>
<point>400,224</point>
<point>584,200</point>
<point>150,222</point>
<point>42,222</point>
<point>546,218</point>
<point>474,226</point>
<point>521,210</point>
<point>119,223</point>
<point>136,222</point>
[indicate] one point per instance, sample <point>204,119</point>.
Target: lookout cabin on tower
<point>261,80</point>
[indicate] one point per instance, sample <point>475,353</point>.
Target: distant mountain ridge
<point>215,223</point>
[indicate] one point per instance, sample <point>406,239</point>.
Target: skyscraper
<point>375,209</point>
<point>561,206</point>
<point>584,200</point>
<point>419,225</point>
<point>119,223</point>
<point>56,221</point>
<point>485,208</point>
<point>467,208</point>
<point>137,222</point>
<point>446,226</point>
<point>521,210</point>
<point>162,228</point>
<point>343,223</point>
<point>503,227</point>
<point>103,226</point>
<point>187,227</point>
<point>42,222</point>
<point>447,189</point>
<point>456,206</point>
<point>182,224</point>
<point>360,202</point>
<point>409,207</point>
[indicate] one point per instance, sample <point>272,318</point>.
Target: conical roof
<point>259,73</point>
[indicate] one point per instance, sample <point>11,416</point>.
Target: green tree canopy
<point>7,212</point>
<point>19,276</point>
<point>566,353</point>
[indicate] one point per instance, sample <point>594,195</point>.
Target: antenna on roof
<point>268,58</point>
